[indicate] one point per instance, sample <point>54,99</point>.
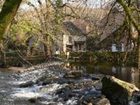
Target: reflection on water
<point>129,74</point>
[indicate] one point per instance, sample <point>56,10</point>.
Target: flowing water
<point>8,86</point>
<point>12,94</point>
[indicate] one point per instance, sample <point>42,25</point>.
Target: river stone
<point>73,74</point>
<point>32,100</point>
<point>95,78</point>
<point>26,84</point>
<point>40,79</point>
<point>65,93</point>
<point>98,85</point>
<point>136,97</point>
<point>89,104</point>
<point>103,101</point>
<point>47,81</point>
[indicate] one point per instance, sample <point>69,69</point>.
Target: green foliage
<point>7,14</point>
<point>21,27</point>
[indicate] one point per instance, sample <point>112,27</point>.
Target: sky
<point>89,3</point>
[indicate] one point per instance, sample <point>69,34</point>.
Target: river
<point>11,94</point>
<point>128,74</point>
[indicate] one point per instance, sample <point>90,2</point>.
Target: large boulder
<point>119,92</point>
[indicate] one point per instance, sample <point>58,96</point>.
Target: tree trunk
<point>138,44</point>
<point>3,55</point>
<point>135,21</point>
<point>7,14</point>
<point>49,47</point>
<point>129,13</point>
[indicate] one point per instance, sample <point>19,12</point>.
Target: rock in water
<point>103,101</point>
<point>118,91</point>
<point>32,100</point>
<point>26,84</point>
<point>73,74</point>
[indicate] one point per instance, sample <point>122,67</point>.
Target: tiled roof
<point>72,29</point>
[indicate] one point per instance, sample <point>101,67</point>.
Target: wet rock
<point>136,97</point>
<point>97,101</point>
<point>42,78</point>
<point>92,100</point>
<point>118,92</point>
<point>26,84</point>
<point>95,78</point>
<point>65,93</point>
<point>73,74</point>
<point>51,80</point>
<point>47,81</point>
<point>90,96</point>
<point>103,101</point>
<point>82,84</point>
<point>32,100</point>
<point>62,81</point>
<point>89,104</point>
<point>98,85</point>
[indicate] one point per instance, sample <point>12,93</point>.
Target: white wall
<point>65,41</point>
<point>74,38</point>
